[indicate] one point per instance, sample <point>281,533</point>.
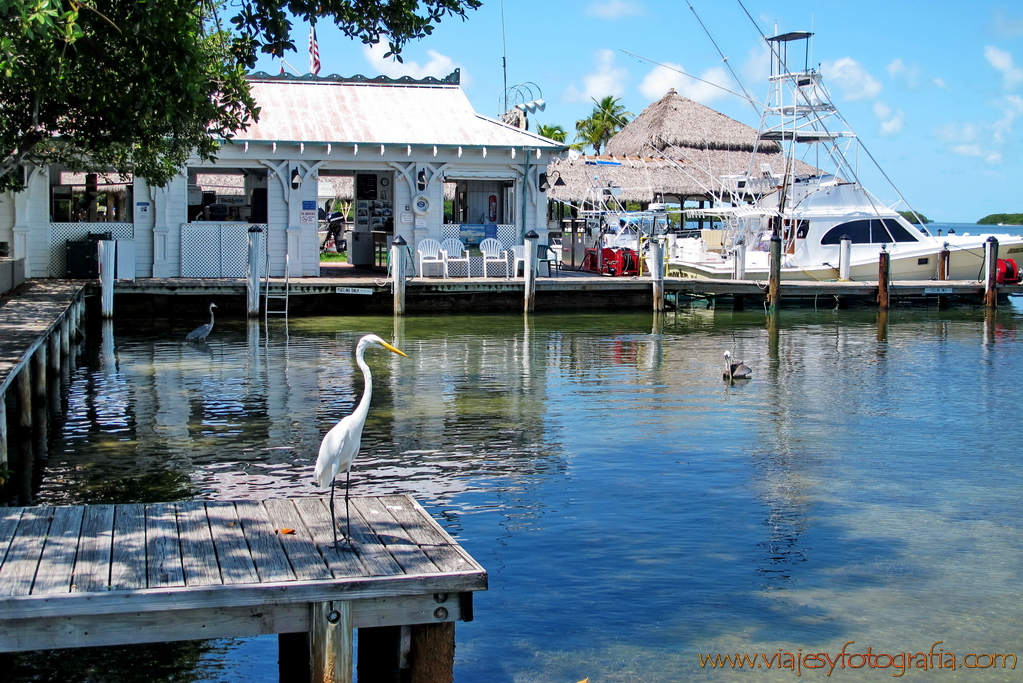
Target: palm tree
<point>607,118</point>
<point>552,131</point>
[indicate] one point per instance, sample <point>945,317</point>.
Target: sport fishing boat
<point>830,226</point>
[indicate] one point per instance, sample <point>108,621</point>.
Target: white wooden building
<point>400,140</point>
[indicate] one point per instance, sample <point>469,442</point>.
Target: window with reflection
<point>869,231</point>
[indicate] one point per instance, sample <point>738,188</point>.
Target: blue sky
<point>934,89</point>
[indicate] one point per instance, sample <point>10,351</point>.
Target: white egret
<point>341,444</point>
<point>203,331</point>
<point>736,370</point>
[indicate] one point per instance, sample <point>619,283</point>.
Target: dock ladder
<point>268,297</point>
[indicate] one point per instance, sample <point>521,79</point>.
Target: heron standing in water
<point>341,444</point>
<point>200,333</point>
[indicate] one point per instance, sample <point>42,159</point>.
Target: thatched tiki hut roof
<point>676,149</point>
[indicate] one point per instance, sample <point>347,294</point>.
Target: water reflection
<point>632,508</point>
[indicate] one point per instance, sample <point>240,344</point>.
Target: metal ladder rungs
<point>268,297</point>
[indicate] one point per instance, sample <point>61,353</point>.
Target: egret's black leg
<point>348,516</point>
<point>333,521</point>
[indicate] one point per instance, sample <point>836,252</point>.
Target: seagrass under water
<point>632,509</point>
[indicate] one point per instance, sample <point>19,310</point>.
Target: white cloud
<point>968,150</point>
<point>852,79</point>
<point>705,90</point>
<point>909,74</point>
<point>1002,61</point>
<point>958,133</point>
<point>614,9</point>
<point>940,82</point>
<point>1012,110</point>
<point>606,80</point>
<point>438,66</point>
<point>891,121</point>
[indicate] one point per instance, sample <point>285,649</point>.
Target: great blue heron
<point>736,370</point>
<point>203,331</point>
<point>341,444</point>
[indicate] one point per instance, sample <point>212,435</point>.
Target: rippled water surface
<point>632,509</point>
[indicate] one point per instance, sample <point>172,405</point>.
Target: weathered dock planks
<point>117,574</point>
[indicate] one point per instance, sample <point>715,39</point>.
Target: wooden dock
<point>94,575</point>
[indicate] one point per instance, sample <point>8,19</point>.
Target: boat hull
<point>965,263</point>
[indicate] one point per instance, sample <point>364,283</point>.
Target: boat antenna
<point>504,61</point>
<point>724,59</point>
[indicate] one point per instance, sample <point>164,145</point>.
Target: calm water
<point>633,511</point>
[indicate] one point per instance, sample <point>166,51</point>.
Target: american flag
<point>314,52</point>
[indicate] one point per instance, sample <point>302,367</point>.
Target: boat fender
<point>1007,272</point>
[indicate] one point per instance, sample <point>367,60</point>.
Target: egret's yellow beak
<point>395,350</point>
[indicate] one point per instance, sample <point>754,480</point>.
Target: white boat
<point>812,212</point>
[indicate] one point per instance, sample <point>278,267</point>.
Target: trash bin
<point>82,259</point>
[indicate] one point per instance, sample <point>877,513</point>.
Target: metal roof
<point>389,113</point>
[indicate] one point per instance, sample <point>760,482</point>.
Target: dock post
<point>432,655</point>
<point>253,275</point>
<point>293,658</point>
<point>739,260</point>
<point>943,258</point>
<point>657,272</point>
<point>774,279</point>
<point>529,270</point>
<point>23,385</point>
<point>107,259</point>
<point>398,273</point>
<point>991,272</point>
<point>844,254</point>
<point>53,351</point>
<point>883,270</point>
<point>65,337</point>
<point>381,652</point>
<point>3,431</point>
<point>330,641</point>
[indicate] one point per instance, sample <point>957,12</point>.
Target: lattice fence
<point>218,249</point>
<point>60,233</point>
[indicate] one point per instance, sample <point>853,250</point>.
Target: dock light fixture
<point>296,179</point>
<point>544,181</point>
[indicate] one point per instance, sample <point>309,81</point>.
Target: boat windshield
<point>869,231</point>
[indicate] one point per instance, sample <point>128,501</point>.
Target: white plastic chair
<point>455,252</point>
<point>519,252</point>
<point>494,252</point>
<point>429,252</point>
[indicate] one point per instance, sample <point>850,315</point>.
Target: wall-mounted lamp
<point>421,180</point>
<point>296,179</point>
<point>544,181</point>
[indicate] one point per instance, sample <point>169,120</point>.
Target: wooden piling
<point>432,656</point>
<point>53,352</point>
<point>657,273</point>
<point>65,337</point>
<point>991,272</point>
<point>844,257</point>
<point>883,271</point>
<point>943,263</point>
<point>107,260</point>
<point>330,641</point>
<point>774,279</point>
<point>293,664</point>
<point>252,272</point>
<point>398,250</point>
<point>381,654</point>
<point>3,431</point>
<point>529,271</point>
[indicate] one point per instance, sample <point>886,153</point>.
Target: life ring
<point>421,205</point>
